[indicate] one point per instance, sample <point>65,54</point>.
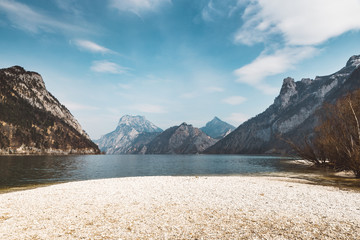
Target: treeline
<point>336,140</point>
<point>33,127</point>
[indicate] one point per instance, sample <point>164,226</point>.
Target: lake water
<point>17,171</point>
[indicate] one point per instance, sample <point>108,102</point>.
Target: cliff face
<point>32,120</point>
<point>131,134</point>
<point>292,115</point>
<point>183,139</point>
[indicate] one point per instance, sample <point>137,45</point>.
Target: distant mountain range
<point>217,128</point>
<point>182,139</point>
<point>292,116</point>
<point>136,135</point>
<point>130,135</point>
<point>33,121</point>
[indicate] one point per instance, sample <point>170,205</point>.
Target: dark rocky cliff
<point>32,120</point>
<point>292,115</point>
<point>183,139</point>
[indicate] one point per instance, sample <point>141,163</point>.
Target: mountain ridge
<point>130,135</point>
<point>33,121</point>
<point>182,139</point>
<point>292,115</point>
<point>217,129</point>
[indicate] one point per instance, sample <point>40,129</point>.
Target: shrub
<point>336,142</point>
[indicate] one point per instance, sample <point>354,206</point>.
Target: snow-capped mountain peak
<point>354,61</point>
<point>139,123</point>
<point>129,136</point>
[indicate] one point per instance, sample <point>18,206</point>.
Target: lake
<point>18,171</point>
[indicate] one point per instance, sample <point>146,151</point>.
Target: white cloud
<point>23,17</point>
<point>148,108</point>
<point>70,6</point>
<point>209,12</point>
<point>266,65</point>
<point>237,118</point>
<point>296,27</point>
<point>299,22</point>
<point>91,46</point>
<point>65,5</point>
<point>137,6</point>
<point>108,67</point>
<point>215,9</point>
<point>234,100</point>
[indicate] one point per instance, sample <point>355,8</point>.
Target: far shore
<point>227,207</point>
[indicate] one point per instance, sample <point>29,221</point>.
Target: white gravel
<point>181,208</point>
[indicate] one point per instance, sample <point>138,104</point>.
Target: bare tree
<point>336,142</point>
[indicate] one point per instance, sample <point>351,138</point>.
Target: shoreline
<point>213,207</point>
<point>314,176</point>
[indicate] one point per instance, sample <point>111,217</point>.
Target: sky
<point>175,61</point>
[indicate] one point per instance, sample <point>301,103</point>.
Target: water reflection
<point>28,170</point>
<point>19,170</point>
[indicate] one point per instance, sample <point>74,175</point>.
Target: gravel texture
<point>181,208</point>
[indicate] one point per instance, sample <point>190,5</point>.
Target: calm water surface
<point>17,171</point>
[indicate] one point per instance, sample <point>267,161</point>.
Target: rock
<point>183,139</point>
<point>33,121</point>
<point>292,116</point>
<point>130,136</point>
<point>217,128</point>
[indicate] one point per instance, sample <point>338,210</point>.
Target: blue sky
<point>175,61</point>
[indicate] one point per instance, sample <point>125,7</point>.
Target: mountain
<point>217,129</point>
<point>32,120</point>
<point>183,139</point>
<point>292,115</point>
<point>130,135</point>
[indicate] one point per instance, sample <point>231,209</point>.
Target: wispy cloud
<point>148,108</point>
<point>234,100</point>
<point>108,67</point>
<point>70,6</point>
<point>296,28</point>
<point>271,64</point>
<point>215,9</point>
<point>237,118</point>
<point>137,6</point>
<point>299,22</point>
<point>91,46</point>
<point>209,12</point>
<point>23,17</point>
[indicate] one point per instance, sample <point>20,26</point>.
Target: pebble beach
<point>226,207</point>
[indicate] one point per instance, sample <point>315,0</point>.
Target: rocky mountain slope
<point>292,115</point>
<point>130,135</point>
<point>183,139</point>
<point>217,128</point>
<point>32,120</point>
